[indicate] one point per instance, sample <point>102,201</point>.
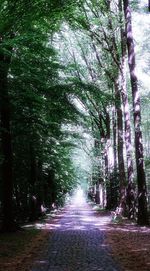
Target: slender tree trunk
<point>114,124</point>
<point>106,163</point>
<point>52,187</point>
<point>33,202</point>
<point>40,180</point>
<point>8,223</point>
<point>121,166</point>
<point>97,194</point>
<point>33,169</point>
<point>114,182</point>
<point>149,5</point>
<point>141,180</point>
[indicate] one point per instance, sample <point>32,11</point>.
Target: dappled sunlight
<point>83,217</point>
<point>133,228</point>
<point>79,234</point>
<point>78,216</point>
<point>84,220</point>
<point>28,226</point>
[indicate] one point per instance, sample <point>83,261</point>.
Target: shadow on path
<point>76,242</point>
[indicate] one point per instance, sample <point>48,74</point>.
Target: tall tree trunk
<point>8,223</point>
<point>130,196</point>
<point>141,180</point>
<point>114,182</point>
<point>130,193</point>
<point>121,166</point>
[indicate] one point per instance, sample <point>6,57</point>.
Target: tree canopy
<point>70,110</point>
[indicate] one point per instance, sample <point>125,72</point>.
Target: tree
<point>141,180</point>
<point>47,80</point>
<point>17,20</point>
<point>130,190</point>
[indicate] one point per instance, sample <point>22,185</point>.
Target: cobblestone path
<point>77,243</point>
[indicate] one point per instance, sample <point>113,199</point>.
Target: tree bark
<point>114,125</point>
<point>121,166</point>
<point>97,194</point>
<point>141,180</point>
<point>130,195</point>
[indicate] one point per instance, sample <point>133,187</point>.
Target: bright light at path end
<point>79,197</point>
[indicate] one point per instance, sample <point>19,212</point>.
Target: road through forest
<point>76,241</point>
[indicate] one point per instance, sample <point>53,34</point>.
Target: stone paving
<point>76,243</point>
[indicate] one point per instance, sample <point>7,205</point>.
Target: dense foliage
<point>63,88</point>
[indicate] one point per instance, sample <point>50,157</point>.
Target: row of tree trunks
<point>117,142</point>
<point>97,193</point>
<point>127,193</point>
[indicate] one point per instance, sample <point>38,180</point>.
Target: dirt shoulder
<point>130,245</point>
<point>18,250</point>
